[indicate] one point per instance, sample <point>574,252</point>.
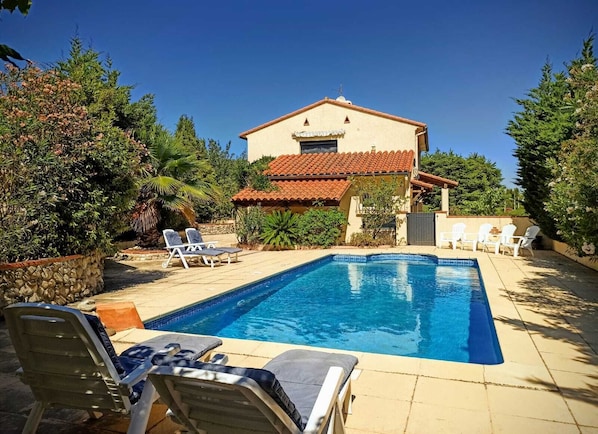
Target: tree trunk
<point>148,239</point>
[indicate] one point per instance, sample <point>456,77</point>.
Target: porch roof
<point>296,191</point>
<point>437,180</point>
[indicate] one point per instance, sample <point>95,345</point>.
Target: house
<point>320,147</point>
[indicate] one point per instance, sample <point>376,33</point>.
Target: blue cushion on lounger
<point>100,332</point>
<point>265,379</point>
<point>192,347</point>
<point>123,365</point>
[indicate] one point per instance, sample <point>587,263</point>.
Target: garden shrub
<point>365,239</point>
<point>320,227</point>
<point>248,225</point>
<point>68,179</point>
<point>280,229</point>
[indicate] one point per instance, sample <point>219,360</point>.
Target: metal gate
<point>421,229</point>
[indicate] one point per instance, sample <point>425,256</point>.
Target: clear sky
<point>233,65</point>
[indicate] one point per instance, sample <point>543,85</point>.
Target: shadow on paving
<point>119,275</point>
<point>566,295</point>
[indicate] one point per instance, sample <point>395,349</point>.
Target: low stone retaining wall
<point>216,228</point>
<point>56,280</point>
<point>141,255</point>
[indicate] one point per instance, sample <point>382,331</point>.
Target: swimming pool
<point>399,304</point>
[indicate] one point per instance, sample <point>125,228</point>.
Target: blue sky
<point>233,65</point>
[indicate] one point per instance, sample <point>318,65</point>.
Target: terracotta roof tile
<point>340,164</point>
<point>300,190</point>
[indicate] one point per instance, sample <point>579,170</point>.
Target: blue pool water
<point>408,305</point>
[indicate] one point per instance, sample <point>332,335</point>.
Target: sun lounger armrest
<point>136,375</point>
<point>326,401</point>
<point>198,246</point>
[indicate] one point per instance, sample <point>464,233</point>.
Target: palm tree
<point>173,183</point>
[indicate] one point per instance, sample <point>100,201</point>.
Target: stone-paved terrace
<point>545,312</point>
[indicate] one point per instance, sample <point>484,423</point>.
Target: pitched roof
<point>350,106</point>
<point>340,165</point>
<point>297,190</point>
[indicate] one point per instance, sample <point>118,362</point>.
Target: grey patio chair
<point>298,391</point>
<point>68,361</point>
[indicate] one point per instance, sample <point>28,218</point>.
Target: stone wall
<point>56,280</point>
<point>216,228</point>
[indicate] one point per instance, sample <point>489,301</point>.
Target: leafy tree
<point>227,169</point>
<point>280,229</point>
<point>544,122</point>
<point>476,176</point>
<point>67,179</point>
<point>512,198</point>
<point>490,203</point>
<point>187,137</point>
<point>99,91</point>
<point>380,201</point>
<point>170,184</point>
<point>573,199</point>
<point>320,227</point>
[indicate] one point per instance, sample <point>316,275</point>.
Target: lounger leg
<point>347,398</point>
<point>207,261</point>
<point>34,418</point>
<point>336,425</point>
<point>165,263</point>
<point>142,409</point>
<point>184,261</point>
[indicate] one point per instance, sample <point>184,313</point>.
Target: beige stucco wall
<point>362,133</point>
<point>350,202</point>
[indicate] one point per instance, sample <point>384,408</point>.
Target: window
<point>318,146</point>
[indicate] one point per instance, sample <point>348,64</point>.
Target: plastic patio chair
<point>297,391</point>
<point>506,234</point>
<point>516,243</point>
<point>68,361</point>
<point>178,249</point>
<point>474,239</point>
<point>453,237</point>
<point>196,241</point>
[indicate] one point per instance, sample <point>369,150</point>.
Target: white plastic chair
<point>505,236</point>
<point>517,243</point>
<point>480,237</point>
<point>452,237</point>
